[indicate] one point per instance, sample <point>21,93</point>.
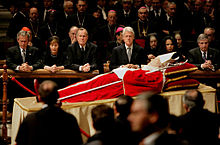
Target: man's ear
<point>154,118</point>
<point>186,107</point>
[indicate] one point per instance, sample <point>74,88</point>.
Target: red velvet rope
<point>84,133</point>
<point>16,81</point>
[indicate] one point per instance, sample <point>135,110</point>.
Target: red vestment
<point>133,83</point>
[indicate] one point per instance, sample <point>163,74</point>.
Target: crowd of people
<point>83,35</point>
<point>142,121</point>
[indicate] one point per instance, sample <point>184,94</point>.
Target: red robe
<point>133,83</point>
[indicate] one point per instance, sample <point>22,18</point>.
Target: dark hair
<point>163,44</point>
<point>48,92</point>
<point>54,38</point>
<point>155,103</point>
<point>123,105</point>
<point>103,117</point>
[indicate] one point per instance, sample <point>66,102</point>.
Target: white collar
<point>150,139</point>
<point>129,47</point>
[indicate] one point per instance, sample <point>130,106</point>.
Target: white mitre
<point>159,62</point>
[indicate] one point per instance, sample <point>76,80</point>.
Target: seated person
<point>82,54</point>
<point>128,55</point>
<point>113,44</point>
<point>54,58</point>
<point>204,57</point>
<point>168,45</point>
<point>151,46</point>
<point>23,57</point>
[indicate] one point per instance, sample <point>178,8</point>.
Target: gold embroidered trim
<point>180,71</point>
<point>176,79</point>
<point>181,86</point>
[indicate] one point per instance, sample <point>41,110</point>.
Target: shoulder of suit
<point>91,44</point>
<point>33,48</point>
<point>13,47</point>
<point>137,46</point>
<point>213,49</point>
<point>194,49</point>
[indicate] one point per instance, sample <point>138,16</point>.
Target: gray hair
<point>170,3</point>
<point>23,33</point>
<point>193,98</point>
<point>81,29</point>
<point>66,2</point>
<point>128,29</point>
<point>210,28</point>
<point>73,27</point>
<point>127,1</point>
<point>202,37</point>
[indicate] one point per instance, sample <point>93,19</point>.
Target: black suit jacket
<point>195,57</point>
<point>120,57</point>
<point>76,57</point>
<point>14,58</point>
<point>200,127</point>
<point>50,125</point>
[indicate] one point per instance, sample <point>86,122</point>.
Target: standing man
<point>142,26</point>
<point>23,57</point>
<point>149,118</point>
<point>199,126</point>
<point>34,25</point>
<point>204,57</point>
<point>50,125</point>
<point>82,54</point>
<point>81,18</point>
<point>128,55</point>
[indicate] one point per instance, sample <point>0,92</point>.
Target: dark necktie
<point>129,54</point>
<point>204,56</point>
<point>24,55</point>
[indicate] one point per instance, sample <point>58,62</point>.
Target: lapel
<point>28,56</point>
<point>124,53</point>
<point>134,53</point>
<point>200,59</point>
<point>18,53</point>
<point>78,51</point>
<point>209,54</point>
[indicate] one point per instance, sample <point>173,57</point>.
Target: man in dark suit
<point>81,18</point>
<point>142,27</point>
<point>204,57</point>
<point>149,119</point>
<point>50,125</point>
<point>128,55</point>
<point>82,54</point>
<point>128,14</point>
<point>199,126</point>
<point>171,22</point>
<point>23,57</point>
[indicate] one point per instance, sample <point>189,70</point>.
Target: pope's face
<point>128,38</point>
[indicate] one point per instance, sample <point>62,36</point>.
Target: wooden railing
<point>41,73</point>
<point>7,73</point>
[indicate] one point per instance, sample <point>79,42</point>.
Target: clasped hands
<point>130,66</point>
<point>54,68</point>
<point>86,67</point>
<point>25,67</point>
<point>208,65</point>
